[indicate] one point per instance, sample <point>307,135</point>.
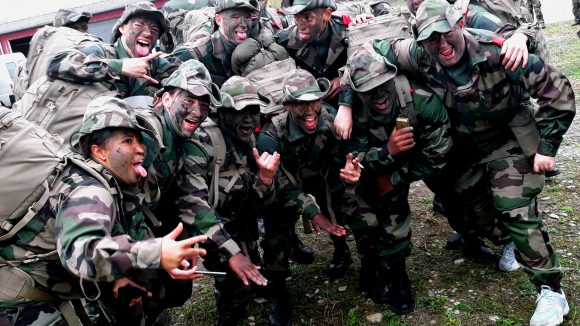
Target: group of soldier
<point>190,170</point>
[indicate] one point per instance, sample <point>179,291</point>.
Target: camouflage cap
<point>176,5</point>
<point>301,86</point>
<point>435,16</point>
<point>221,5</point>
<point>366,69</point>
<point>144,8</point>
<point>66,17</point>
<point>292,7</point>
<point>110,112</point>
<point>238,93</point>
<point>194,77</point>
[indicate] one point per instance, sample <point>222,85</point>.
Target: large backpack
<point>31,159</point>
<point>197,22</point>
<point>388,27</point>
<point>59,106</point>
<point>269,81</point>
<point>47,42</point>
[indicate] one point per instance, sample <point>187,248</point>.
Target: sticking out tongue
<point>140,170</point>
<point>141,50</point>
<point>242,35</point>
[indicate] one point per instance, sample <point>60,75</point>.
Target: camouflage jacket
<point>240,192</point>
<point>101,62</point>
<point>431,126</point>
<point>213,52</point>
<point>303,156</point>
<point>481,110</point>
<point>322,58</point>
<point>99,236</point>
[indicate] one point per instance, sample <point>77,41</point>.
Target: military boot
<point>370,281</point>
<point>280,308</point>
<point>474,248</point>
<point>301,253</point>
<point>341,258</point>
<point>402,301</point>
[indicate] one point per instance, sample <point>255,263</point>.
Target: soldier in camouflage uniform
<point>72,19</point>
<point>93,222</point>
<point>245,181</point>
<point>128,62</point>
<point>318,44</point>
<point>481,97</point>
<point>185,104</point>
<point>236,24</point>
<point>394,157</point>
<point>175,11</point>
<point>576,12</point>
<point>535,7</point>
<point>309,176</point>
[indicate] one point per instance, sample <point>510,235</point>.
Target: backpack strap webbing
<point>219,154</point>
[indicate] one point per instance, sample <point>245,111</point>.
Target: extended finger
<point>149,79</point>
<point>152,56</point>
<point>517,61</point>
<point>189,242</point>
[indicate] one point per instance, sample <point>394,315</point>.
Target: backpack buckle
<point>6,226</point>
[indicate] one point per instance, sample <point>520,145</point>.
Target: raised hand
<point>400,141</point>
<point>351,171</point>
<point>245,269</point>
<point>343,122</point>
<point>175,254</point>
<point>268,165</point>
<point>137,67</point>
<point>515,51</point>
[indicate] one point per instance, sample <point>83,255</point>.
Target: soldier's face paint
<point>311,23</point>
<point>413,5</point>
<point>446,48</point>
<point>235,24</point>
<point>241,124</point>
<point>139,35</point>
<point>186,112</point>
<point>381,98</point>
<point>123,154</point>
<point>306,115</point>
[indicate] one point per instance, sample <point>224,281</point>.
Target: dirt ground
<point>449,289</point>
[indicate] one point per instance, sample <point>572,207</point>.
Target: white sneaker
<point>507,262</point>
<point>551,307</point>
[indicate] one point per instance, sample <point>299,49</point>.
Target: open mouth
<point>446,52</point>
<point>190,124</point>
<point>241,34</point>
<point>142,47</point>
<point>310,122</point>
<point>246,130</point>
<point>381,104</point>
<point>303,35</point>
<point>140,170</point>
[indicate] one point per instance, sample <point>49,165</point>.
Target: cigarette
<point>360,165</point>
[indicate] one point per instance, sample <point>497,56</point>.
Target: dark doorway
<point>21,45</point>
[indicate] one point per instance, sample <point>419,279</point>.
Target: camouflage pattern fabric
<point>535,7</point>
<point>214,52</point>
<point>222,5</point>
<point>100,62</point>
<point>369,139</point>
<point>65,17</point>
<point>292,7</point>
<point>240,193</point>
<point>192,76</point>
<point>301,86</point>
<point>34,314</point>
<point>140,8</point>
<point>240,93</point>
<point>576,10</point>
<point>480,116</point>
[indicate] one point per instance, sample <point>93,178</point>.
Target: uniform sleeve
<point>198,216</point>
<point>374,159</point>
<point>484,20</point>
<point>555,97</point>
<point>432,141</point>
<point>84,64</point>
<point>84,223</point>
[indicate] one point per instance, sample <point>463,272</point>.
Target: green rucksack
<point>58,106</point>
<point>47,42</point>
<point>388,27</point>
<point>31,159</point>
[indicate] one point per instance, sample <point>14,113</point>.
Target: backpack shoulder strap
<point>219,155</point>
<point>404,94</point>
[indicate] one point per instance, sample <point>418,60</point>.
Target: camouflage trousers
<point>513,190</point>
<point>535,7</point>
<point>576,10</point>
<point>346,207</point>
<point>32,313</point>
<point>232,296</point>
